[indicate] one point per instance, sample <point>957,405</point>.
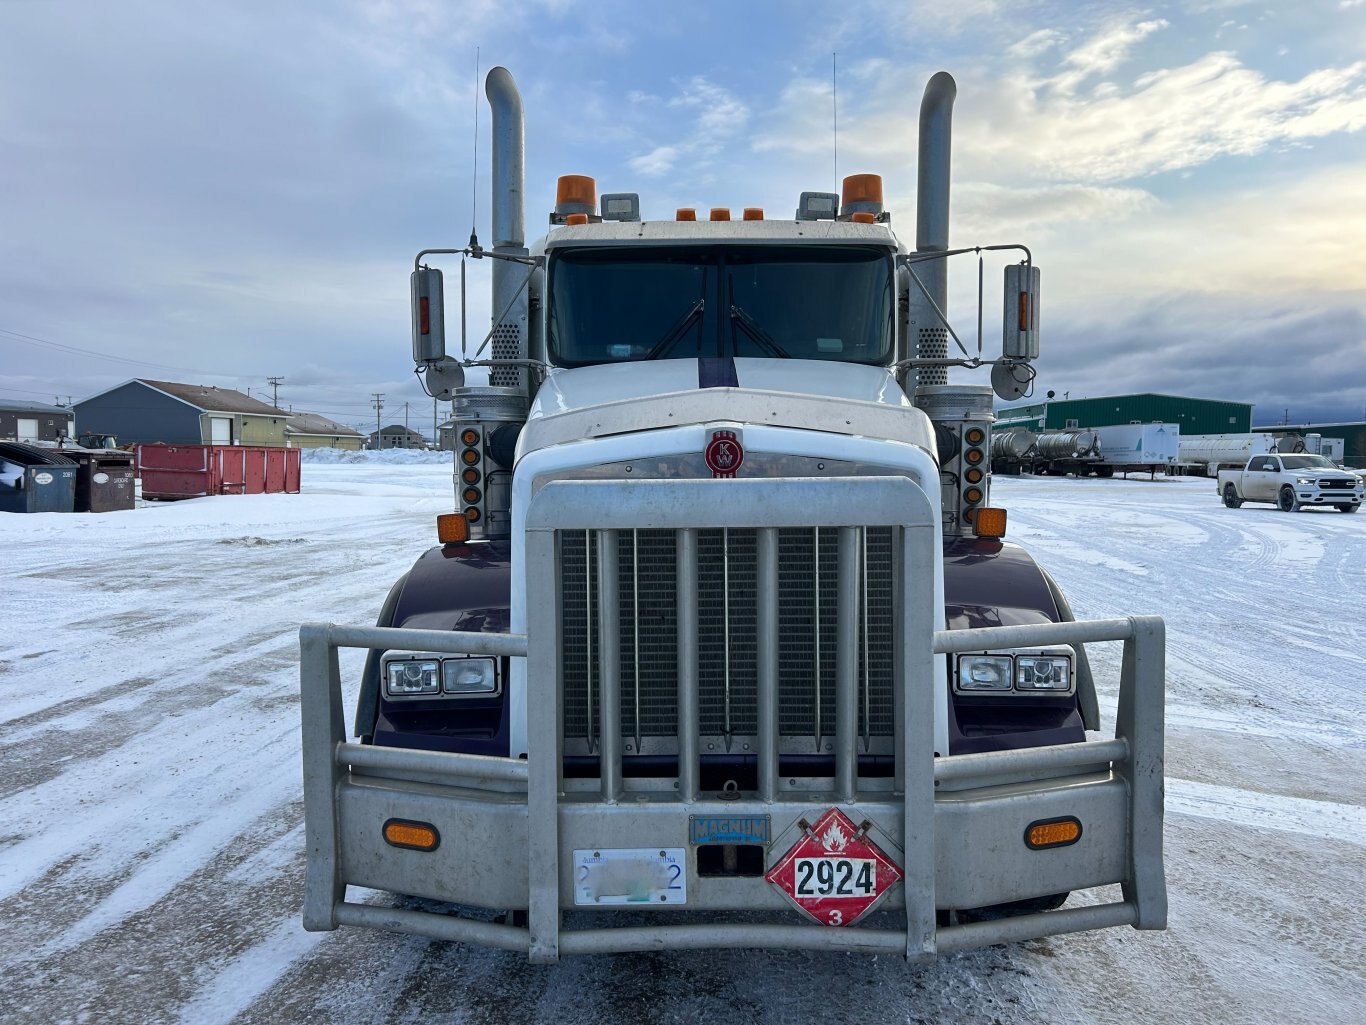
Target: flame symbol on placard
<point>834,839</point>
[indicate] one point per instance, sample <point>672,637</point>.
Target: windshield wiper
<point>757,333</point>
<point>676,332</point>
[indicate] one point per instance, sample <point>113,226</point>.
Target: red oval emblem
<point>724,454</point>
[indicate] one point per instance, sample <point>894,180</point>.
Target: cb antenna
<point>835,117</point>
<point>474,178</point>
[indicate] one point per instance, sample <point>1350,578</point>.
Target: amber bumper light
<point>1052,833</point>
<point>415,836</point>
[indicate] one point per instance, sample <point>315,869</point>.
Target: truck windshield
<point>1307,463</point>
<point>800,302</point>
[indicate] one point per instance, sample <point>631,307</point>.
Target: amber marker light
<point>472,514</point>
<point>862,188</point>
<point>576,219</point>
<point>863,218</point>
<point>470,495</point>
<point>685,213</point>
<point>470,455</point>
<point>720,213</point>
<point>973,476</point>
<point>470,476</point>
<point>576,188</point>
<point>990,522</point>
<point>973,495</point>
<point>415,836</point>
<point>754,213</point>
<point>469,436</point>
<point>1052,833</point>
<point>452,529</point>
<point>975,435</point>
<point>973,456</point>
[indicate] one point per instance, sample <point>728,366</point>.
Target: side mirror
<point>429,316</point>
<point>1020,320</point>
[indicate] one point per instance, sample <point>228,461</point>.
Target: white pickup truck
<point>1292,482</point>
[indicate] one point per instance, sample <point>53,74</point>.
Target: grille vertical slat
<point>609,662</point>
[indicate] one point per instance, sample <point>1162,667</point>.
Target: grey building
<point>313,430</point>
<point>396,436</point>
<point>149,411</point>
<point>33,421</point>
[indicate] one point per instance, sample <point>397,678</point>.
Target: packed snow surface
<point>151,841</point>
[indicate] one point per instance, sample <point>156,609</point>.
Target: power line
<point>77,350</point>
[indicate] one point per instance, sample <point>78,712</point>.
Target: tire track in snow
<point>1326,820</point>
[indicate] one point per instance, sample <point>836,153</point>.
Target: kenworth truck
<point>723,646</point>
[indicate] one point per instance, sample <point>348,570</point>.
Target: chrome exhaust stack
<point>510,334</point>
<point>928,336</point>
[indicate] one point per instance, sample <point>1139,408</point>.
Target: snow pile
<point>389,456</point>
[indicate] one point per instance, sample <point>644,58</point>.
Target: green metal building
<point>1193,416</point>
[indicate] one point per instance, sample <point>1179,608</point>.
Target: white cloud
<point>658,161</point>
<point>717,118</point>
<point>1102,53</point>
<point>1165,120</point>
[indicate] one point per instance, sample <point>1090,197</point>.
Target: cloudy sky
<point>222,193</point>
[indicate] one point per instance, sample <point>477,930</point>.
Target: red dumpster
<point>191,471</point>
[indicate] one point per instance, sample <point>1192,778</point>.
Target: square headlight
<point>413,677</point>
<point>1043,672</point>
<point>984,672</point>
<point>470,676</point>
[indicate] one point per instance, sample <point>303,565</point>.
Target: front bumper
<point>954,826</point>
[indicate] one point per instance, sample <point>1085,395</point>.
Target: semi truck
<point>723,644</point>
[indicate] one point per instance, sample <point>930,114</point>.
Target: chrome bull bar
<point>334,768</point>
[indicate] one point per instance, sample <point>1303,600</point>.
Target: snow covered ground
<point>150,812</point>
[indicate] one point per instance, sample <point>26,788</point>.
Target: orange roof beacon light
<point>990,522</point>
<point>754,213</point>
<point>860,217</point>
<point>862,194</point>
<point>452,529</point>
<point>576,219</point>
<point>575,194</point>
<point>685,213</point>
<point>720,213</point>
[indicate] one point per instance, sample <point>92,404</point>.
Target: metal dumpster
<point>34,479</point>
<point>192,471</point>
<point>105,479</point>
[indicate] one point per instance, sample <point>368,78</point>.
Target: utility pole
<point>405,425</point>
<point>274,383</point>
<point>436,431</point>
<point>377,400</point>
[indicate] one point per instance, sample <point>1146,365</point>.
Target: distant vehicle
<point>1292,482</point>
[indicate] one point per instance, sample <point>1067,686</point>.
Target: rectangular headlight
<point>1043,672</point>
<point>470,676</point>
<point>413,677</point>
<point>984,672</point>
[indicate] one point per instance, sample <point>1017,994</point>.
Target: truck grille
<point>1336,484</point>
<point>646,642</point>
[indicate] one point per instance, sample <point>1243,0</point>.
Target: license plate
<point>630,875</point>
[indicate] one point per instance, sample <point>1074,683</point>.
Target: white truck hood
<point>629,398</point>
<point>566,390</point>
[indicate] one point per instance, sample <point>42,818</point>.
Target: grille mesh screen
<point>646,597</point>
